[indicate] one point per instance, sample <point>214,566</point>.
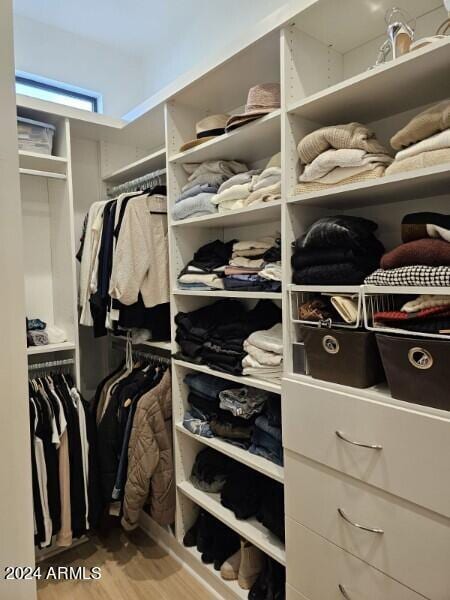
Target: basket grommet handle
<point>330,344</point>
<point>420,358</point>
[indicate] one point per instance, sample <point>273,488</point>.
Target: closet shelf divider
<point>262,213</point>
<point>250,529</point>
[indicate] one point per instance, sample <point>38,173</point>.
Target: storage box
<point>343,356</point>
<point>417,369</point>
<point>299,358</point>
<point>34,136</point>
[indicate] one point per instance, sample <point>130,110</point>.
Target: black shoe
<point>270,584</point>
<point>190,537</point>
<point>226,543</point>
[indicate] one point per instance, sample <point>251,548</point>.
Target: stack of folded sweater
<point>267,436</point>
<point>206,270</point>
<point>340,250</point>
<point>425,314</point>
<point>252,187</point>
<point>264,353</point>
<point>424,257</point>
<point>215,334</point>
<point>424,141</point>
<point>203,182</point>
<point>338,155</point>
<point>255,265</point>
<point>41,334</point>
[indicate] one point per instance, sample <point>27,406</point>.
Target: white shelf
<point>249,143</point>
<point>153,162</point>
<point>422,183</point>
<point>233,586</point>
<point>32,350</point>
<point>166,345</point>
<point>38,173</point>
<point>262,213</point>
<point>250,529</point>
<point>229,294</point>
<point>261,384</point>
<point>264,466</point>
<point>372,95</point>
<point>47,163</point>
<point>330,289</point>
<point>404,289</point>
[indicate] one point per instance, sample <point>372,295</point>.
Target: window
<point>53,91</point>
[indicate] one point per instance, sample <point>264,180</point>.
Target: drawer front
<point>317,568</point>
<point>292,594</point>
<point>415,546</point>
<point>413,462</point>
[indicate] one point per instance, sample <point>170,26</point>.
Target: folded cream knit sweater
<point>426,123</point>
<point>350,135</point>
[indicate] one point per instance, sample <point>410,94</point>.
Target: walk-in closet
<point>226,300</point>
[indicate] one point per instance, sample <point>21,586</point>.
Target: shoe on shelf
<point>270,583</point>
<point>252,563</point>
<point>226,543</point>
<point>190,537</point>
<point>230,568</point>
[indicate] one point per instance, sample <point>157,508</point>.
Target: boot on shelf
<point>252,563</point>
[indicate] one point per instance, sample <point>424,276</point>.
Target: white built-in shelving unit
<point>320,52</point>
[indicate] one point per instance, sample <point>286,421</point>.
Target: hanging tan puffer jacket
<point>150,475</point>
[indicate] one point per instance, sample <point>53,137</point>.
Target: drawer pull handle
<point>342,437</point>
<point>344,592</point>
<point>348,520</point>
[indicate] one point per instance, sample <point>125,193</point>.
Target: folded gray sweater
<point>196,205</point>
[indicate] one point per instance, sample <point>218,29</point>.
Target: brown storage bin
<point>299,358</point>
<point>417,369</point>
<point>343,356</point>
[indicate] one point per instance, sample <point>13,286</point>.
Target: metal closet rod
<point>50,364</point>
<point>136,184</point>
<point>142,354</point>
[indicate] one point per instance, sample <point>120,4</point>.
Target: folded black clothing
<point>231,430</point>
<point>233,369</point>
<point>304,257</point>
<point>224,350</point>
<point>197,360</point>
<point>271,510</point>
<point>209,464</point>
<point>210,356</point>
<point>272,410</point>
<point>271,582</point>
<point>188,347</point>
<point>258,285</point>
<point>243,491</point>
<point>273,254</point>
<point>209,407</point>
<point>337,274</point>
<point>212,255</point>
<point>197,324</point>
<point>431,325</point>
<point>339,232</point>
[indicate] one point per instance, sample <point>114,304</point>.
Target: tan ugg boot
<point>230,568</point>
<point>252,563</point>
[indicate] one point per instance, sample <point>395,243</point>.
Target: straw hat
<point>207,129</point>
<point>262,99</point>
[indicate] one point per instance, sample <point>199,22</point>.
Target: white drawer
<point>317,568</point>
<point>292,594</point>
<point>414,462</point>
<point>415,545</point>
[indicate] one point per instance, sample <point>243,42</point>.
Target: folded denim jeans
<point>243,402</point>
<point>207,386</point>
<point>197,426</point>
<point>275,457</point>
<point>262,423</point>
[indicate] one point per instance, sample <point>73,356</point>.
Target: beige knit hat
<point>262,99</point>
<point>207,129</point>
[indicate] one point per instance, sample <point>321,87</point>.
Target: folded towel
<point>350,135</point>
<point>419,252</point>
<point>420,161</point>
<point>315,186</point>
<point>270,340</point>
<point>197,205</point>
<point>414,275</point>
<point>345,158</point>
<point>425,301</point>
<point>427,123</point>
<point>435,142</point>
<point>416,226</point>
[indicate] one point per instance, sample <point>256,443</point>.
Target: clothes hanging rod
<point>135,184</point>
<point>146,355</point>
<point>51,364</point>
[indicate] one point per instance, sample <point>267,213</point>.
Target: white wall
<point>16,512</point>
<point>194,35</point>
<point>51,52</point>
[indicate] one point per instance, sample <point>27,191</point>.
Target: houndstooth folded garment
<point>413,275</point>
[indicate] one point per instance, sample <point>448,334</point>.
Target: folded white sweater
<point>259,358</point>
<point>343,158</point>
<point>270,340</point>
<point>434,142</point>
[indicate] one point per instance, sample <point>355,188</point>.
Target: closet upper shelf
<point>229,294</point>
<point>49,348</point>
<point>152,162</point>
<point>42,163</point>
<point>421,183</point>
<point>249,143</point>
<point>418,78</point>
<point>262,213</point>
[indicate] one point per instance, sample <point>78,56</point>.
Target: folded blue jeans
<point>207,386</point>
<point>196,425</point>
<point>262,423</point>
<point>243,402</point>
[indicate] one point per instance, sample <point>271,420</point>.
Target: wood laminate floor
<point>133,568</point>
